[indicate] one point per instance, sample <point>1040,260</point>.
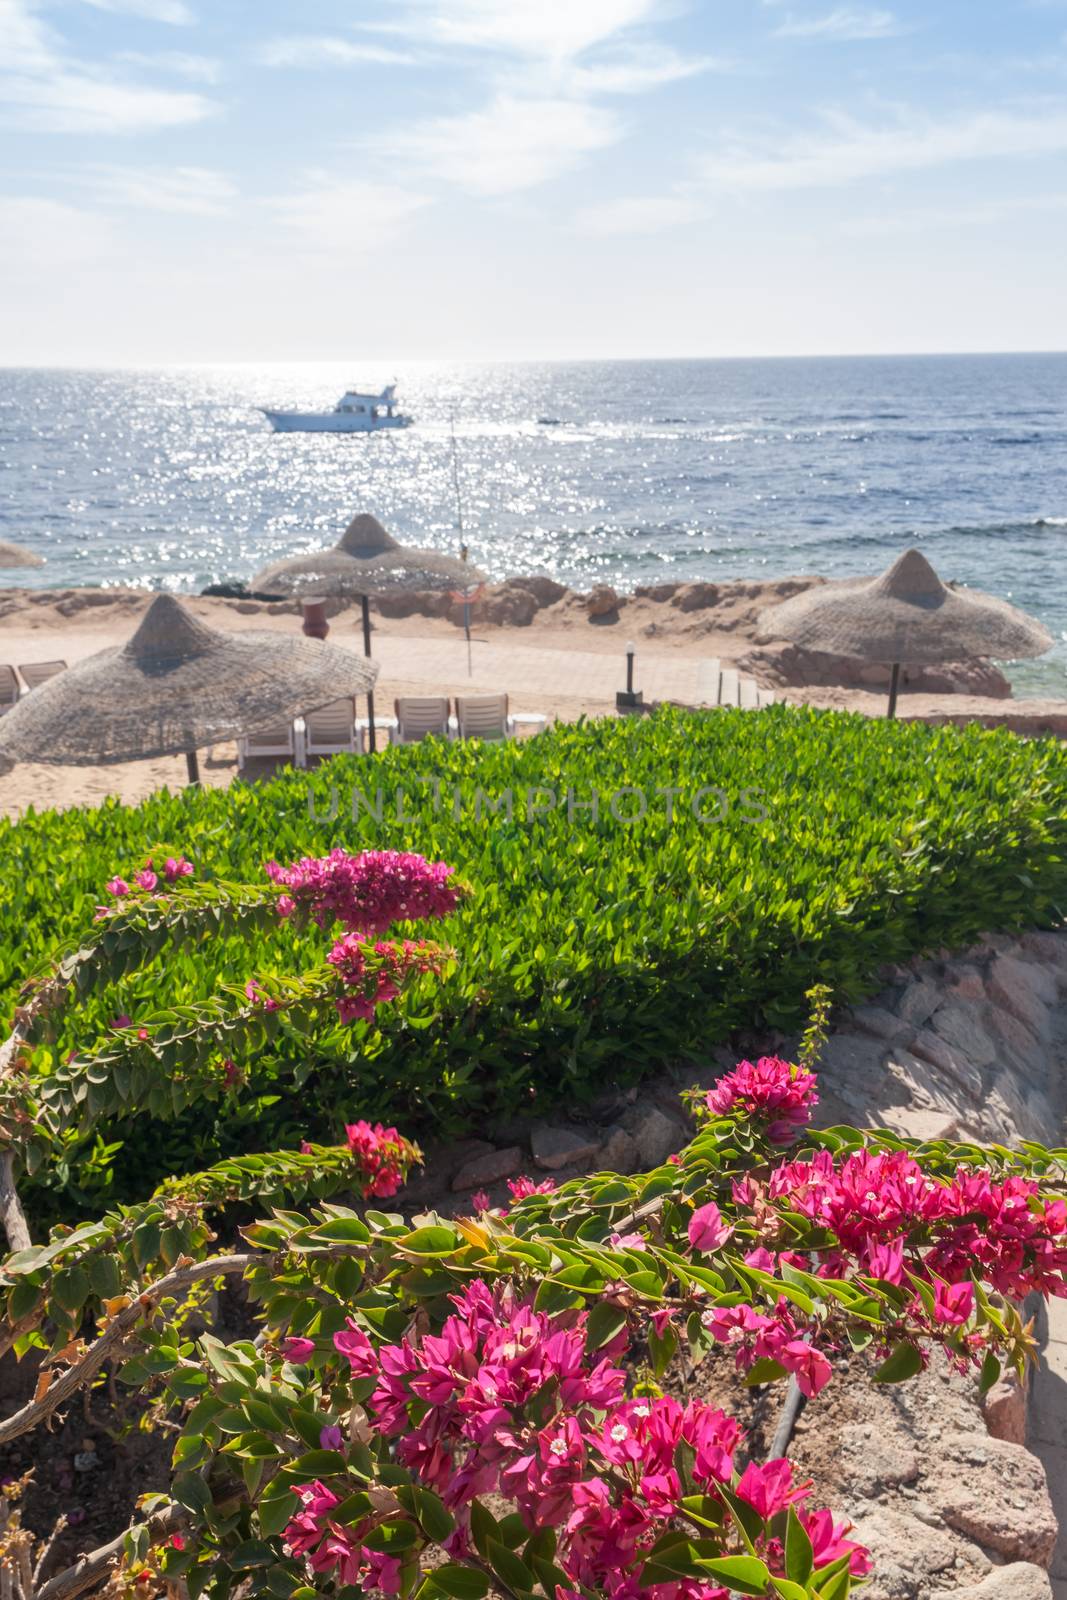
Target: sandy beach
<point>564,657</point>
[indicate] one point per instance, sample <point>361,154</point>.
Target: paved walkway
<point>588,673</point>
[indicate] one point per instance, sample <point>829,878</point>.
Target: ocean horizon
<point>621,472</point>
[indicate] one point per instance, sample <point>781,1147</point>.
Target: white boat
<point>355,412</point>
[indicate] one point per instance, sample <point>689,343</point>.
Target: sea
<point>620,472</point>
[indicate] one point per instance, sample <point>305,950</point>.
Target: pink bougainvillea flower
<point>257,996</point>
<point>298,1350</point>
<point>331,1437</point>
<point>520,1188</point>
<point>774,1090</point>
<point>479,1202</point>
<point>953,1302</point>
<point>353,1344</point>
<point>368,892</point>
<point>118,887</point>
<point>707,1229</point>
<point>145,879</point>
<point>177,867</point>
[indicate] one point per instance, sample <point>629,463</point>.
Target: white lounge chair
<point>34,673</point>
<point>483,716</point>
<point>332,729</point>
<point>419,715</point>
<point>285,740</point>
<point>9,688</point>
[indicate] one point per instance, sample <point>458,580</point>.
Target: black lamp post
<point>628,699</point>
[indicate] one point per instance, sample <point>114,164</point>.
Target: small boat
<point>355,412</point>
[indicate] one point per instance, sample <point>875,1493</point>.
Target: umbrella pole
<point>894,684</point>
<point>192,766</point>
<point>372,742</point>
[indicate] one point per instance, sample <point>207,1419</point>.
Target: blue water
<point>622,472</point>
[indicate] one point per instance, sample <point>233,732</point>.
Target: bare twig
<point>89,1569</point>
<point>48,1550</point>
<point>82,1371</point>
<point>11,1212</point>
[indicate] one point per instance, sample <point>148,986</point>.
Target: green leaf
<point>799,1556</point>
<point>603,1324</point>
<point>508,1566</point>
<point>903,1361</point>
<point>461,1583</point>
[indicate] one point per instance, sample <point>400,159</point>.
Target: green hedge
<point>594,950</point>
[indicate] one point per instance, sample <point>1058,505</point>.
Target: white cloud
<point>849,151</point>
<point>197,191</point>
<point>548,29</point>
<point>323,50</point>
<point>198,69</point>
<point>345,218</point>
<point>512,143</point>
<point>631,72</point>
<point>640,214</point>
<point>844,23</point>
<point>172,11</point>
<point>42,88</point>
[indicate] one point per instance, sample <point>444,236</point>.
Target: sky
<point>222,180</point>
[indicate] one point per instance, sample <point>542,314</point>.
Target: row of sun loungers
<point>14,684</point>
<point>335,728</point>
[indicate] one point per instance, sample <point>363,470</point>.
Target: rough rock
<point>619,1153</point>
<point>1048,947</point>
<point>1020,1580</point>
<point>872,1457</point>
<point>560,1147</point>
<point>920,1122</point>
<point>1025,991</point>
<point>921,1082</point>
<point>959,1026</point>
<point>1004,1410</point>
<point>1021,1047</point>
<point>995,1493</point>
<point>601,601</point>
<point>918,1002</point>
<point>656,591</point>
<point>412,603</point>
<point>851,1065</point>
<point>490,1168</point>
<point>879,1022</point>
<point>948,1060</point>
<point>656,1136</point>
<point>695,596</point>
<point>966,983</point>
<point>908,1555</point>
<point>546,591</point>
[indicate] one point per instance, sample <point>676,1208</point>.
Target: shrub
<point>594,950</point>
<point>404,1379</point>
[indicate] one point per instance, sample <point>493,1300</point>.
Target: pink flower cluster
<point>367,893</point>
<point>759,1336</point>
<point>381,976</point>
<point>519,1189</point>
<point>774,1091</point>
<point>174,867</point>
<point>506,1400</point>
<point>892,1218</point>
<point>383,1156</point>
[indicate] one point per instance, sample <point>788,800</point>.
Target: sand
<point>562,663</point>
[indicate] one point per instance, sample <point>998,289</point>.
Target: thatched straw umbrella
<point>174,686</point>
<point>367,561</point>
<point>906,616</point>
<point>16,555</point>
